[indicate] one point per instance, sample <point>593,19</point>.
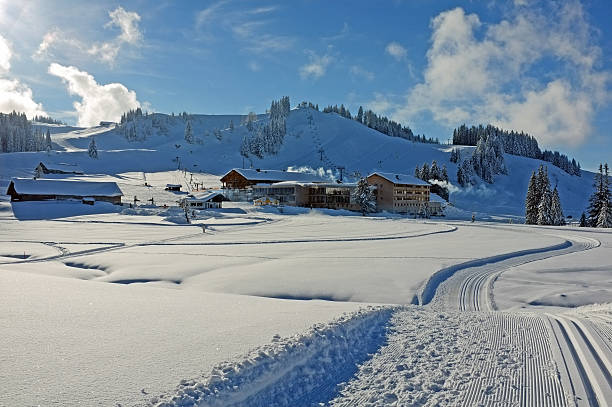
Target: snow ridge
<point>305,369</point>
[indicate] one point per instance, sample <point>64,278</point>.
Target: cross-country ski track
<point>453,348</point>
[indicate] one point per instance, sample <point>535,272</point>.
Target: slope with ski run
<point>343,142</point>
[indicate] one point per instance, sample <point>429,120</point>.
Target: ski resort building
<point>238,178</point>
<point>26,189</point>
<point>309,194</point>
<point>401,193</point>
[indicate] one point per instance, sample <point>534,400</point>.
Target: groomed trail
<point>453,348</point>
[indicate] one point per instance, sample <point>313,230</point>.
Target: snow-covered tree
<point>93,149</point>
<point>604,220</point>
<point>188,132</point>
<point>532,201</point>
<point>444,173</point>
<point>425,173</point>
<point>558,219</point>
<point>545,216</point>
<point>364,197</point>
<point>434,172</point>
<point>231,125</point>
<point>48,144</point>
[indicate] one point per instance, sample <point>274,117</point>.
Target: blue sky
<point>538,66</point>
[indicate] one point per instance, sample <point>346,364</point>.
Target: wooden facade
<point>399,193</point>
<point>30,192</point>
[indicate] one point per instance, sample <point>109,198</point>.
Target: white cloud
<point>381,104</point>
<point>396,50</point>
<point>106,51</point>
<point>247,25</point>
<point>14,95</point>
<point>98,102</point>
<point>5,55</point>
<point>317,66</point>
<point>127,22</point>
<point>486,76</point>
<point>356,70</point>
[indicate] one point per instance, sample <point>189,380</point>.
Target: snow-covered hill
<point>314,139</point>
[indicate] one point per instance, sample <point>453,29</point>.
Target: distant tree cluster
<point>47,120</point>
<point>17,134</point>
<point>514,143</point>
<point>599,212</point>
<point>486,161</point>
<point>542,206</point>
<point>379,123</point>
<point>268,138</point>
<point>432,174</point>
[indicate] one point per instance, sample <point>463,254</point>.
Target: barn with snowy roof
<point>26,189</point>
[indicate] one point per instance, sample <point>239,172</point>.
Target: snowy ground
<point>102,306</point>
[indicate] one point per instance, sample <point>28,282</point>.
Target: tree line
<point>17,134</point>
<point>515,143</point>
<point>379,123</point>
<point>486,161</point>
<point>267,137</point>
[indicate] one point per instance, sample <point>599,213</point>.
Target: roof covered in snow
<point>276,175</point>
<point>30,186</point>
<point>326,184</point>
<point>400,178</point>
<point>64,167</point>
<point>204,197</point>
<point>436,198</point>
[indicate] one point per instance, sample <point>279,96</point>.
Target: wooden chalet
<point>238,178</point>
<point>26,189</point>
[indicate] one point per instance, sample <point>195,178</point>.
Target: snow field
<point>303,370</point>
<point>72,342</point>
<point>450,358</point>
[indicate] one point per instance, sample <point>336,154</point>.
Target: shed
<point>208,200</point>
<point>173,187</point>
<point>26,189</point>
<point>57,168</point>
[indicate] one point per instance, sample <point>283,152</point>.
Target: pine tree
<point>48,144</point>
<point>434,172</point>
<point>444,174</point>
<point>425,175</point>
<point>188,133</point>
<point>417,172</point>
<point>545,216</point>
<point>93,150</point>
<point>364,197</point>
<point>596,200</point>
<point>360,115</point>
<point>604,220</point>
<point>604,216</point>
<point>532,201</point>
<point>583,220</point>
<point>231,125</point>
<point>558,219</point>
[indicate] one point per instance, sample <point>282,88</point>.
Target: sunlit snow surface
<point>102,305</point>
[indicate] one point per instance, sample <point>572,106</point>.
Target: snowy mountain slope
<point>314,139</point>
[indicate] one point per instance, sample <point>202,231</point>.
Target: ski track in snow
<point>456,350</point>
